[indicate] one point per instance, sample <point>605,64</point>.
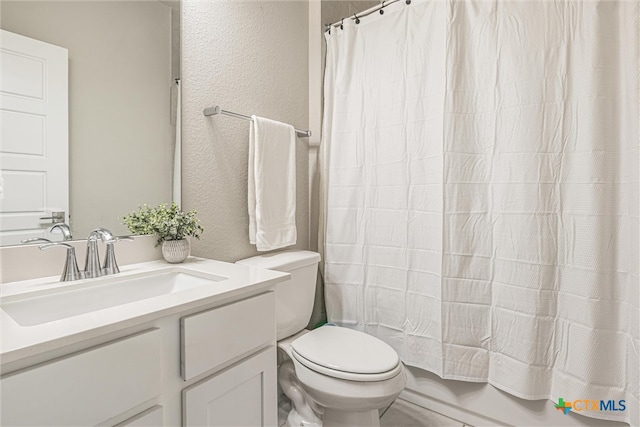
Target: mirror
<point>123,62</point>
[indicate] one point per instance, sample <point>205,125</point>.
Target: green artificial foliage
<point>166,223</point>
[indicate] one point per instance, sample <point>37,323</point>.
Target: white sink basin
<point>99,294</point>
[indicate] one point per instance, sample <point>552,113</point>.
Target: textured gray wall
<point>251,58</point>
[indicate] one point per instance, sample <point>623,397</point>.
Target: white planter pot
<point>175,251</point>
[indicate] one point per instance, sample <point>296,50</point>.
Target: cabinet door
<point>242,395</point>
<point>84,388</point>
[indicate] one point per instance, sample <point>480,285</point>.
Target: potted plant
<point>170,225</point>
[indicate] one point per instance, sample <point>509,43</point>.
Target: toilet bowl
<point>334,376</point>
<point>346,376</point>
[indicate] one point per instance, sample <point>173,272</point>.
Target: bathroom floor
<point>406,414</point>
<point>400,414</point>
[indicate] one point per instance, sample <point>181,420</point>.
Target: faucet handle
<point>35,240</point>
<point>54,244</point>
<point>110,265</point>
<point>71,271</point>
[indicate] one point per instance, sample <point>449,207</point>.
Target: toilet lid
<point>346,350</point>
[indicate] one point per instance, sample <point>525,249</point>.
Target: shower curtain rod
<point>356,16</point>
<point>212,111</point>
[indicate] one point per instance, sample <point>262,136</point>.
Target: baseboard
<point>448,410</point>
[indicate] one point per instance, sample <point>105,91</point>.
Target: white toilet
<point>334,376</point>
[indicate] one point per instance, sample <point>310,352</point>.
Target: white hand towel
<point>272,184</point>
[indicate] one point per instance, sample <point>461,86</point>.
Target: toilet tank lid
<point>282,261</point>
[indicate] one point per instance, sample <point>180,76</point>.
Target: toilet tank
<point>294,297</point>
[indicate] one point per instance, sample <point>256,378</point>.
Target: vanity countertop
<point>230,281</point>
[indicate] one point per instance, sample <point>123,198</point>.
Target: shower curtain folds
<point>480,192</point>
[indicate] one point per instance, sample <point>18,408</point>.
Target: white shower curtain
<point>481,193</point>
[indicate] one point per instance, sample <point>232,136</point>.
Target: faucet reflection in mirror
<point>171,226</point>
<point>64,229</point>
<point>59,226</point>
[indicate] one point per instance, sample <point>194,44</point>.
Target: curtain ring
<point>382,7</point>
<point>357,19</point>
<point>342,24</point>
<point>408,2</point>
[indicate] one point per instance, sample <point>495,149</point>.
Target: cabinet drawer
<point>85,388</point>
<point>214,337</point>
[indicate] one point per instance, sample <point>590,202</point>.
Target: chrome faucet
<point>92,261</point>
<point>64,229</point>
<point>71,271</point>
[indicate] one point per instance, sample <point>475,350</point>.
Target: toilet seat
<point>346,354</point>
<point>347,375</point>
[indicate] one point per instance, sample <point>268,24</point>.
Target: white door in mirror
<point>34,138</point>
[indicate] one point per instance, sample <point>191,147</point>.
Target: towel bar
<point>212,111</point>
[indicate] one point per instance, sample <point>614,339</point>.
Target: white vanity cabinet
<point>242,394</point>
<point>211,364</point>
